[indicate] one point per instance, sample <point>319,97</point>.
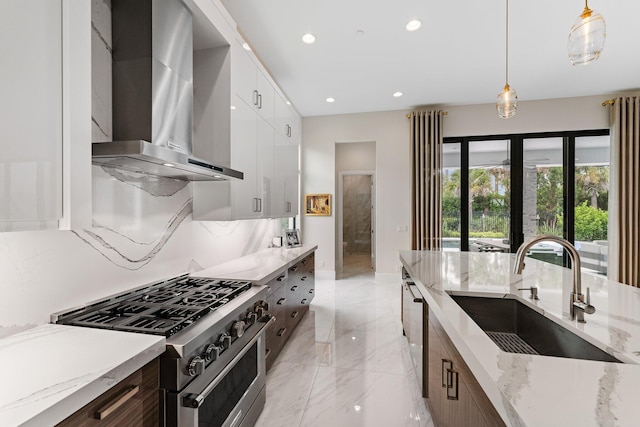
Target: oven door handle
<point>195,400</point>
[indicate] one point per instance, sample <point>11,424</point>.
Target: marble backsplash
<point>142,232</point>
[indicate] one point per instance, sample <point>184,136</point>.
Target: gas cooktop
<point>163,308</point>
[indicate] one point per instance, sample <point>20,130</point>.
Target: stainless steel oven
<point>212,372</point>
<point>232,397</point>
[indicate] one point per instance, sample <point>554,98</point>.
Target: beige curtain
<point>426,171</point>
<point>624,229</point>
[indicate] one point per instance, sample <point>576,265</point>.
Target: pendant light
<point>507,102</point>
<point>586,38</point>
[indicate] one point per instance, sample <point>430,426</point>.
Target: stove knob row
<point>251,318</point>
<point>196,366</point>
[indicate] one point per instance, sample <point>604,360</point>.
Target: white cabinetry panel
<point>31,112</point>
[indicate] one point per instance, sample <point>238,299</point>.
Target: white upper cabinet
<point>287,121</point>
<point>31,114</point>
<point>251,84</point>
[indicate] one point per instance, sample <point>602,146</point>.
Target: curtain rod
<point>609,102</point>
<point>444,113</point>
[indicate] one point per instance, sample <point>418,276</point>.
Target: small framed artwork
<point>318,204</point>
<point>292,238</point>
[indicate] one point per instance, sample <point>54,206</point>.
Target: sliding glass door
<point>501,190</point>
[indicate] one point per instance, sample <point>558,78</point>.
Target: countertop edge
<point>277,254</point>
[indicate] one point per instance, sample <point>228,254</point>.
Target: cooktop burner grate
<point>162,309</point>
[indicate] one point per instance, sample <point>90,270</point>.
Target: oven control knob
<point>259,312</point>
<point>251,318</point>
<point>196,366</point>
<point>237,329</point>
<point>263,304</point>
<point>211,352</point>
<point>224,341</point>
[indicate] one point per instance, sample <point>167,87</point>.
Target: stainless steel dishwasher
<point>415,315</point>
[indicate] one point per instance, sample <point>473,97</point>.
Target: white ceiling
<point>457,57</point>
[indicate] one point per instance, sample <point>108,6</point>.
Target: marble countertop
<point>259,267</point>
<point>50,371</point>
<point>530,390</point>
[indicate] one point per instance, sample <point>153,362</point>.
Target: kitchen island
<point>532,390</point>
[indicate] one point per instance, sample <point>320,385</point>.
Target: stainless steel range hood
<point>153,94</point>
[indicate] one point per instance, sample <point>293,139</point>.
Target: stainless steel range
<point>213,370</point>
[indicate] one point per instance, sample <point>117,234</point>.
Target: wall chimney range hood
<point>153,94</point>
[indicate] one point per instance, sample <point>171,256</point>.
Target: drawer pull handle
<point>281,278</point>
<point>294,314</point>
<point>267,353</point>
<point>281,301</point>
<point>303,278</point>
<point>452,384</point>
<point>119,400</point>
<point>447,365</point>
<point>311,291</point>
<point>294,287</point>
<point>304,301</point>
<point>282,331</point>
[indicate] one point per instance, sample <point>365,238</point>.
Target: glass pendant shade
<point>507,103</point>
<point>586,38</point>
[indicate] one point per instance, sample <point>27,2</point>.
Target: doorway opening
<point>356,243</point>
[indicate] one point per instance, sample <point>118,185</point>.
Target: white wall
<point>356,156</point>
<point>390,131</point>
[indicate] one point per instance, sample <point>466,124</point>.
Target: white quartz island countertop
<point>259,267</point>
<point>50,371</point>
<point>531,390</point>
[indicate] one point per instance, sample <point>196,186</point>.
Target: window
<point>501,190</point>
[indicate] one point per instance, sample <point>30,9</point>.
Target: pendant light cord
<point>506,61</point>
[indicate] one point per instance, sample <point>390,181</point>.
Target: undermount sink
<point>516,328</point>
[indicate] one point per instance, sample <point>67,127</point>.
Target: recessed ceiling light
<point>246,46</point>
<point>413,25</point>
<point>168,164</point>
<point>217,176</point>
<point>397,94</point>
<point>330,99</point>
<point>288,102</point>
<point>309,38</point>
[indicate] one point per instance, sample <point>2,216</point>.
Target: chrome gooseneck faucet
<point>577,304</point>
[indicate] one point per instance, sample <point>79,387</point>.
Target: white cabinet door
<point>266,95</point>
<point>244,75</point>
<point>244,158</point>
<point>286,187</point>
<point>31,113</point>
<point>265,174</point>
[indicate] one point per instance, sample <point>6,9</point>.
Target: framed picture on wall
<point>318,204</point>
<point>292,238</point>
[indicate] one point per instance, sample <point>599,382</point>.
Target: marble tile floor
<point>354,264</point>
<point>347,364</point>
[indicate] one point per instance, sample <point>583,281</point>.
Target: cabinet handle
<point>281,278</point>
<point>117,402</point>
<point>304,301</point>
<point>259,101</point>
<point>407,285</point>
<point>267,353</point>
<point>294,314</point>
<point>255,97</point>
<point>255,204</point>
<point>303,278</point>
<point>452,384</point>
<point>287,207</point>
<point>446,366</point>
<point>281,301</point>
<point>310,291</point>
<point>294,268</point>
<point>260,204</point>
<point>282,331</point>
<point>293,288</point>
